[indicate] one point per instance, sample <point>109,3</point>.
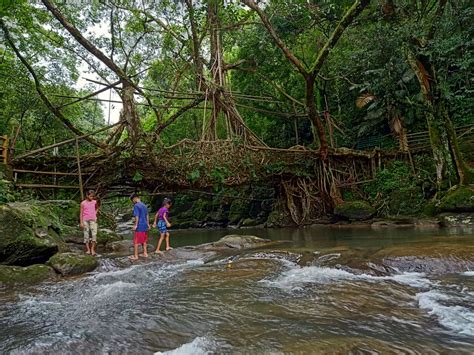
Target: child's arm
<point>97,205</point>
<point>136,223</point>
<point>148,220</point>
<point>81,219</point>
<point>165,217</point>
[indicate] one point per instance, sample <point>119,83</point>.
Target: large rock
<point>355,210</point>
<point>106,236</point>
<point>457,220</point>
<point>17,275</point>
<point>240,242</point>
<point>30,233</point>
<point>72,264</point>
<point>460,199</point>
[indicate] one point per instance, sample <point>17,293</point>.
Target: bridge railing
<point>416,140</point>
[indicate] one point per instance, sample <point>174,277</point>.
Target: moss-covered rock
<point>235,241</point>
<point>430,209</point>
<point>279,216</point>
<point>17,275</point>
<point>105,236</point>
<point>355,210</point>
<point>72,264</point>
<point>30,233</point>
<point>249,222</point>
<point>460,199</point>
<point>67,211</point>
<point>239,209</point>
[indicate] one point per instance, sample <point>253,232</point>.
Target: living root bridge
<point>299,172</point>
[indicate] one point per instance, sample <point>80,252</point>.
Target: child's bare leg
<point>162,236</point>
<point>88,248</point>
<point>93,246</point>
<point>135,252</point>
<point>168,241</point>
<point>145,251</point>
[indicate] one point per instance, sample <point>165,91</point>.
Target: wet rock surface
<point>72,264</point>
<point>17,275</point>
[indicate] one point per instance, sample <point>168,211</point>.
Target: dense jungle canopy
<point>315,74</point>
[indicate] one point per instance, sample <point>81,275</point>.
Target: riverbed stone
<point>355,210</point>
<point>235,241</point>
<point>119,246</point>
<point>17,275</point>
<point>72,263</point>
<point>457,219</point>
<point>106,236</point>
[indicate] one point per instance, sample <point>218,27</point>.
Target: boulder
<point>355,210</point>
<point>30,233</point>
<point>119,246</point>
<point>279,216</point>
<point>106,236</point>
<point>249,222</point>
<point>67,211</point>
<point>240,242</point>
<point>457,219</point>
<point>460,199</point>
<point>17,275</point>
<point>72,264</point>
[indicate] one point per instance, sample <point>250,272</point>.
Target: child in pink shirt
<point>88,219</point>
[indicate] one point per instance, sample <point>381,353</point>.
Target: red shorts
<point>140,237</point>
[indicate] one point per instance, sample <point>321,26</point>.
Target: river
<point>268,302</point>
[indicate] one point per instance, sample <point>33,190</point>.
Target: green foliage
<point>137,177</point>
<point>7,194</point>
<point>396,191</point>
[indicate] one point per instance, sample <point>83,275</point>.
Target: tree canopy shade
<point>322,74</point>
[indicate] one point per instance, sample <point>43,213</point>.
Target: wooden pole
<point>36,151</point>
<point>81,188</point>
<point>5,149</point>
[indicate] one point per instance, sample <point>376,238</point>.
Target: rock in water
<point>17,275</point>
<point>72,264</point>
<point>240,241</point>
<point>355,210</point>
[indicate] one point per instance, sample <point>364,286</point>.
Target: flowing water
<point>268,302</point>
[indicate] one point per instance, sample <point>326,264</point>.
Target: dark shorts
<point>162,226</point>
<point>140,237</point>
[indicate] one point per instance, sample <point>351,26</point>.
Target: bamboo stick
<point>39,150</point>
<point>45,172</point>
<point>40,186</point>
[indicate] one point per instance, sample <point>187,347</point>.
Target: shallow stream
<point>270,300</point>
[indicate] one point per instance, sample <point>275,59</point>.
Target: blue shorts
<point>162,226</point>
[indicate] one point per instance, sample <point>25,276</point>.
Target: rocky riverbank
<point>41,239</point>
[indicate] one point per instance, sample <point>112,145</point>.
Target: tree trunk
<point>129,113</point>
<point>443,137</point>
<point>314,117</point>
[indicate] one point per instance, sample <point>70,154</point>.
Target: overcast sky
<point>111,110</point>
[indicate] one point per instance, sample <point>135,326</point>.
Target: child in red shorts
<point>141,226</point>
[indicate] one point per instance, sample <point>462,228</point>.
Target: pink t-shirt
<point>89,212</point>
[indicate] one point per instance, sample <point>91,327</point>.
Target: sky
<point>111,110</point>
